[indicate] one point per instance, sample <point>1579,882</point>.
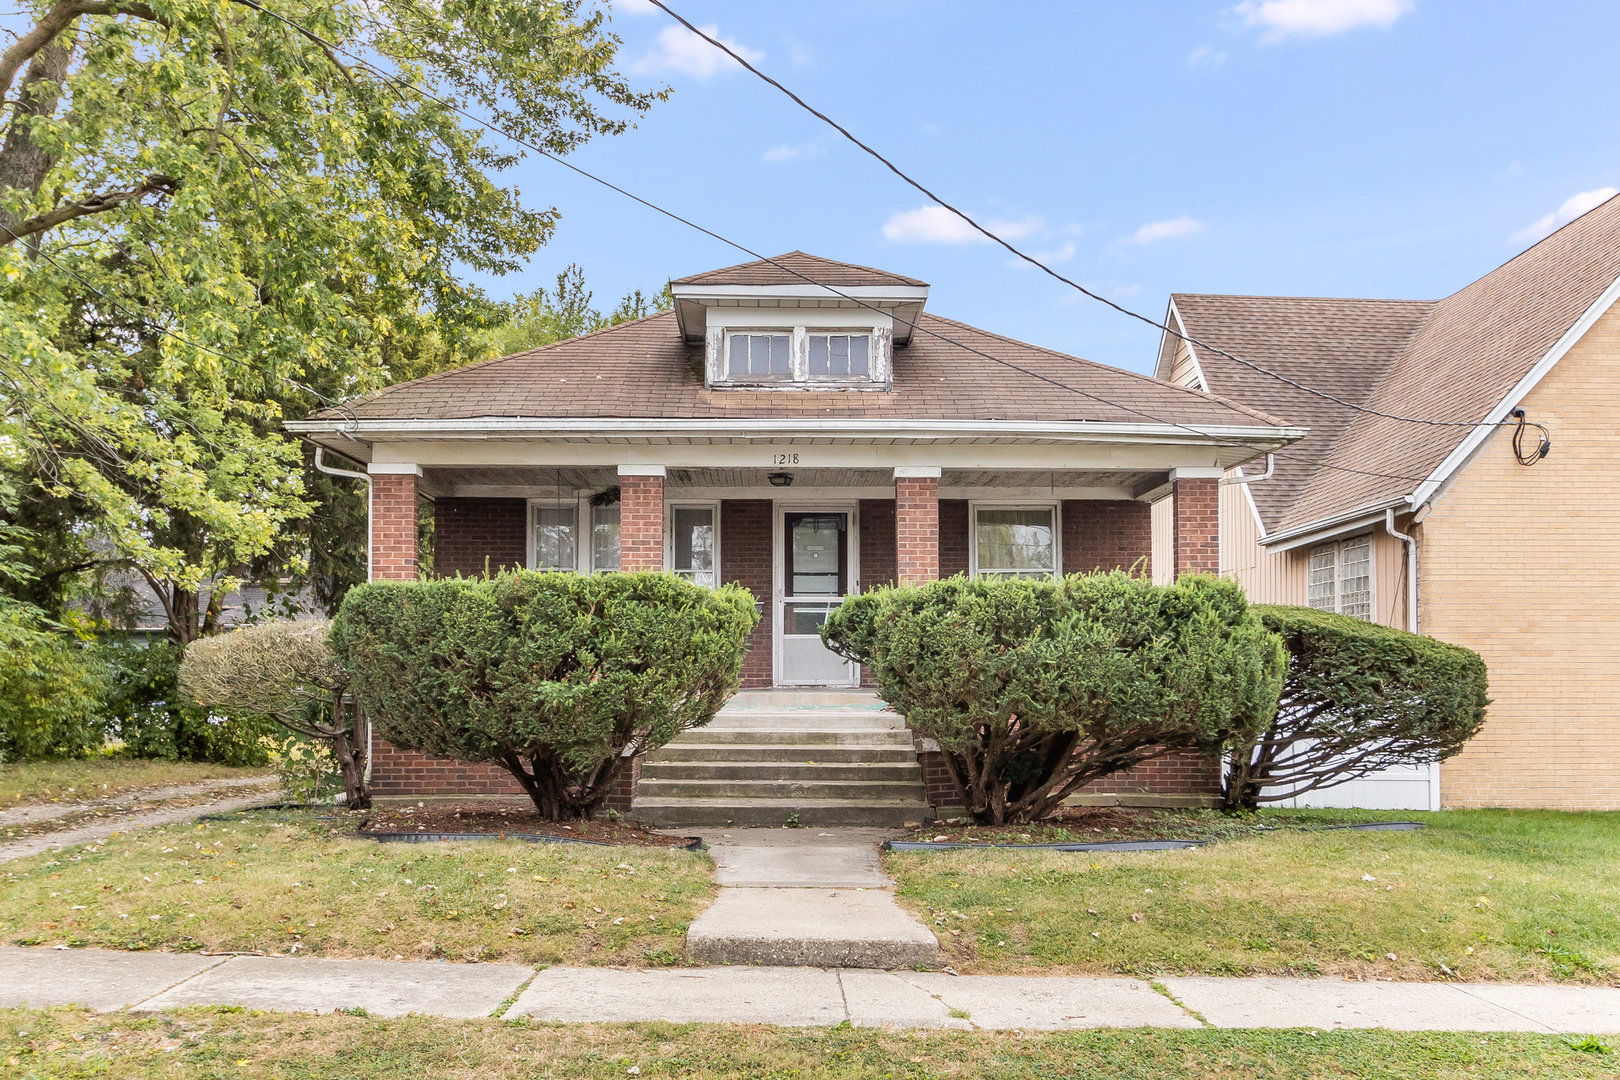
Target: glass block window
<point>1015,541</point>
<point>840,356</point>
<point>1340,577</point>
<point>759,356</point>
<point>555,546</point>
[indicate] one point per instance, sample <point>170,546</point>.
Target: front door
<point>813,576</point>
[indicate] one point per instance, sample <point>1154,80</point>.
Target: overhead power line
<point>988,234</point>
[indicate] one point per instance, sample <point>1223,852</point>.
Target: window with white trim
<point>604,538</point>
<point>694,548</point>
<point>554,538</point>
<point>829,355</point>
<point>1340,577</point>
<point>840,356</point>
<point>574,534</point>
<point>1015,541</point>
<point>759,356</point>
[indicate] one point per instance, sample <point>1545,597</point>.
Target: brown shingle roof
<point>1452,360</point>
<point>786,270</point>
<point>643,369</point>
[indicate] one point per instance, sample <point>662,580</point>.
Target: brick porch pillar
<point>916,524</point>
<point>641,517</point>
<point>1197,520</point>
<point>393,521</point>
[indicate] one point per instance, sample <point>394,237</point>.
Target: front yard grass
<point>30,782</point>
<point>1524,895</point>
<point>299,882</point>
<point>212,1043</point>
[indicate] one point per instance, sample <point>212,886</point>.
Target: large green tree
<point>213,217</point>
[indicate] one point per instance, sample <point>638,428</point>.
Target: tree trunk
<point>350,756</point>
<point>23,164</point>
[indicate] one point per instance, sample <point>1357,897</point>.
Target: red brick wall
<point>406,772</point>
<point>393,528</point>
<point>1197,526</point>
<point>745,558</point>
<point>877,543</point>
<point>641,523</point>
<point>953,537</point>
<point>471,534</point>
<point>937,779</point>
<point>1106,534</point>
<point>916,529</point>
<point>1177,774</point>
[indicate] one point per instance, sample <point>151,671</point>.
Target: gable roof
<point>1453,360</point>
<point>645,370</point>
<point>785,270</point>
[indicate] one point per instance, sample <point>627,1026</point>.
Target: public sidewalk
<point>799,997</point>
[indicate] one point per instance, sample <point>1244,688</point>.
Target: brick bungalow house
<point>1448,529</point>
<point>804,428</point>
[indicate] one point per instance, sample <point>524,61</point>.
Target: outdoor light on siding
<point>780,479</point>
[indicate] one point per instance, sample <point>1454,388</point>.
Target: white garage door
<point>1401,787</point>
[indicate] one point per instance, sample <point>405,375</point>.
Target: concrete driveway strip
<point>1570,1010</point>
<point>788,997</point>
<point>381,987</point>
<point>1011,1001</point>
<point>811,928</point>
<point>1336,1003</point>
<point>799,867</point>
<point>96,978</point>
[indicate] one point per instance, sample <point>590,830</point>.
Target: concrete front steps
<point>772,758</point>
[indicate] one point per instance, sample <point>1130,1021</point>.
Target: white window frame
<point>669,533</point>
<point>725,324</point>
<point>1056,508</point>
<point>1337,547</point>
<point>794,368</point>
<point>583,554</point>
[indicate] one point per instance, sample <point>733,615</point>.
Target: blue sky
<point>1307,147</point>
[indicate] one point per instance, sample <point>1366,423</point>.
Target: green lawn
<point>201,1043</point>
<point>1477,895</point>
<point>294,883</point>
<point>22,783</point>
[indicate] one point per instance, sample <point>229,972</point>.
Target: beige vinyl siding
<point>1267,577</point>
<point>1523,565</point>
<point>1163,531</point>
<point>1184,368</point>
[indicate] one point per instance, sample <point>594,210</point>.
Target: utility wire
<point>1037,263</point>
<point>736,245</point>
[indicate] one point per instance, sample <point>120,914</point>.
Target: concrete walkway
<point>803,897</point>
<point>798,997</point>
<point>257,790</point>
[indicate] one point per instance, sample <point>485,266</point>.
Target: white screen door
<point>813,578</point>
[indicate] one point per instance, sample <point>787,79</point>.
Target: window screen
<point>554,546</point>
<point>692,546</point>
<point>605,537</point>
<point>1015,542</point>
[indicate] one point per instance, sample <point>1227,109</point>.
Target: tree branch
<point>95,204</point>
<point>56,20</point>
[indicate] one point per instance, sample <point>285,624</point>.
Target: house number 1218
<point>785,459</point>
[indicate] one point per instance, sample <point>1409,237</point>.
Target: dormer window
<point>756,357</point>
<point>839,355</point>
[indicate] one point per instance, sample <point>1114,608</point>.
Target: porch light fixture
<point>780,479</point>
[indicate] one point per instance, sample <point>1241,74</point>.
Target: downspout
<point>1271,467</point>
<point>1412,624</point>
<point>350,474</point>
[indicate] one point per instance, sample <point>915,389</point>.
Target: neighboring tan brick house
<point>1510,553</point>
<point>806,429</point>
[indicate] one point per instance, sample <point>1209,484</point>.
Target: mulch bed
<point>491,817</point>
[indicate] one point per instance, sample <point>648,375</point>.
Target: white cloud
<point>1572,208</point>
<point>634,7</point>
<point>1206,56</point>
<point>937,225</point>
<point>1166,230</point>
<point>794,151</point>
<point>801,55</point>
<point>1279,19</point>
<point>683,52</point>
<point>1062,253</point>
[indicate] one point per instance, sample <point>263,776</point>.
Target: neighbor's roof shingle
<point>793,269</point>
<point>644,369</point>
<point>1451,360</point>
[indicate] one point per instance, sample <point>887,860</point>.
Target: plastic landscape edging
<point>693,843</point>
<point>1130,845</point>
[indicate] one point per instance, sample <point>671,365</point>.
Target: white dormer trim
<point>799,324</point>
<point>900,305</point>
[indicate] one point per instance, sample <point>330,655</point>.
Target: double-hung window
<point>694,547</point>
<point>555,530</point>
<point>1015,541</point>
<point>1340,577</point>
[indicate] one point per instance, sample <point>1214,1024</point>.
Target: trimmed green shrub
<point>560,679</point>
<point>1358,697</point>
<point>48,692</point>
<point>285,671</point>
<point>144,708</point>
<point>1033,689</point>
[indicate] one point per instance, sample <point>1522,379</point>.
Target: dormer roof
<point>798,281</point>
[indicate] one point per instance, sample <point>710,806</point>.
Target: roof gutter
<point>508,427</point>
<point>1327,528</point>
